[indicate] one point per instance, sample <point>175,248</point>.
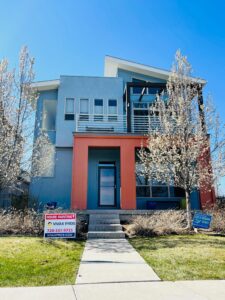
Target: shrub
<point>218,220</point>
<point>158,223</point>
<point>21,222</point>
<point>31,222</point>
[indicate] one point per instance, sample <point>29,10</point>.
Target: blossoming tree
<point>179,150</point>
<point>17,115</point>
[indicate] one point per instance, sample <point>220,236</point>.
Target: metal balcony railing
<point>101,123</point>
<point>115,123</point>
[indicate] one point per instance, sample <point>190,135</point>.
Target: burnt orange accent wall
<point>127,145</point>
<point>207,191</point>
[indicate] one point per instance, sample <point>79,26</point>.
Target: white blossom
<point>180,151</point>
<point>17,116</point>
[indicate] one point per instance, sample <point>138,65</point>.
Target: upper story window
<point>112,110</point>
<point>49,114</point>
<point>148,90</point>
<point>98,110</point>
<point>84,106</point>
<point>69,109</point>
<point>84,109</point>
<point>138,90</point>
<point>112,107</point>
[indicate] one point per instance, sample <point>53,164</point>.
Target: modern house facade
<point>96,126</point>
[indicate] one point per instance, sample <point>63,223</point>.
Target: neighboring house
<point>16,196</point>
<point>96,125</point>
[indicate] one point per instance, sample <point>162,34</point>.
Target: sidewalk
<point>112,260</point>
<point>113,270</point>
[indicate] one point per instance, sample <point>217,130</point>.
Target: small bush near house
<point>218,220</point>
<point>30,222</point>
<point>21,222</point>
<point>159,223</point>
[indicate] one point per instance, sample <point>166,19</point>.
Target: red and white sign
<point>60,226</point>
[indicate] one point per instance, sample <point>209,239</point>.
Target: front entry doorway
<point>107,184</point>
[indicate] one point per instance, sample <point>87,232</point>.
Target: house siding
<point>58,187</point>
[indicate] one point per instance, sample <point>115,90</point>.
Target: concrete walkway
<point>112,260</point>
<point>113,270</point>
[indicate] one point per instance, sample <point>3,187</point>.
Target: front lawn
<point>31,261</point>
<point>184,257</point>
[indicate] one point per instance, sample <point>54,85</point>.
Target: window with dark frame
<point>138,90</point>
<point>152,189</point>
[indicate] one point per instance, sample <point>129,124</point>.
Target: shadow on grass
<point>156,243</point>
<point>62,243</point>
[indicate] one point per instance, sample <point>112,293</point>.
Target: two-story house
<point>96,126</point>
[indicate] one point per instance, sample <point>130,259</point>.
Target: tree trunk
<point>188,210</point>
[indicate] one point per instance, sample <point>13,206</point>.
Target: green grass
<point>31,261</point>
<point>188,257</point>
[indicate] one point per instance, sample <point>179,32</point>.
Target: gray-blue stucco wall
<point>84,87</point>
<point>58,187</point>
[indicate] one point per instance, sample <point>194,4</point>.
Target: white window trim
<point>65,113</point>
<point>102,107</point>
<point>89,105</point>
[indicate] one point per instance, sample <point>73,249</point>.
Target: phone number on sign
<point>60,230</point>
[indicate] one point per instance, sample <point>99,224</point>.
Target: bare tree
<point>17,115</point>
<point>178,149</point>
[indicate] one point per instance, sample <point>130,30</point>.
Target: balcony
<point>115,124</point>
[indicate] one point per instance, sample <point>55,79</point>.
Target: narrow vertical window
<point>112,110</point>
<point>98,109</point>
<point>49,115</point>
<point>69,109</point>
<point>84,109</point>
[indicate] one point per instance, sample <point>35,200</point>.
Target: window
<point>98,109</point>
<point>138,90</point>
<point>112,110</point>
<point>69,109</point>
<point>152,188</point>
<point>84,109</point>
<point>49,114</point>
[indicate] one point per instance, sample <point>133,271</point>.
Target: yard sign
<point>60,226</point>
<point>201,221</point>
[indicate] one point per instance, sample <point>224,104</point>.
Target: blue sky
<point>72,37</point>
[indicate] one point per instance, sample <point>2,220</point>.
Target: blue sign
<point>201,221</point>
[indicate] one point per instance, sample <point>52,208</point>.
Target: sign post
<point>60,226</point>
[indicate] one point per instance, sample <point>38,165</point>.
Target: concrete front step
<point>102,216</point>
<point>105,227</point>
<point>104,221</point>
<point>106,235</point>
